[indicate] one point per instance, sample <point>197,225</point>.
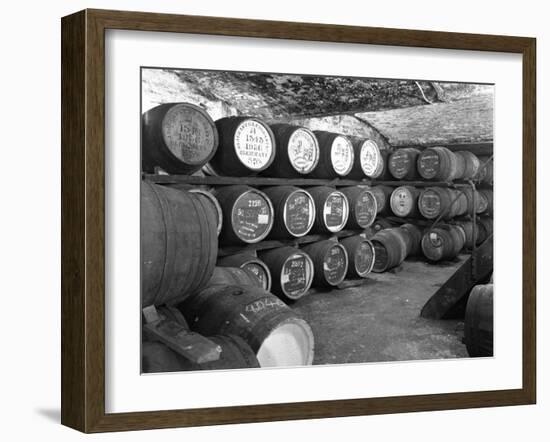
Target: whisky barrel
<point>478,321</point>
<point>471,164</point>
<point>486,224</point>
<point>291,270</point>
<point>277,335</point>
<point>235,353</point>
<point>382,194</point>
<point>360,253</point>
<point>470,233</point>
<point>436,201</point>
<point>390,248</point>
<point>474,199</point>
<point>335,155</point>
<point>179,244</point>
<point>297,152</point>
<point>485,174</point>
<point>331,209</point>
<point>404,201</point>
<point>368,160</point>
<point>252,264</point>
<point>437,163</point>
<point>362,206</point>
<point>294,211</point>
<point>233,276</point>
<point>247,214</point>
<point>330,262</point>
<point>402,163</point>
<point>443,242</point>
<point>487,201</point>
<point>247,146</point>
<point>177,137</point>
<point>211,201</point>
<point>414,238</point>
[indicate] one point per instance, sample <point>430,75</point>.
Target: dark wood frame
<point>83,216</point>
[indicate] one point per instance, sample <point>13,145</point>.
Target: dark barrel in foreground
<point>297,152</point>
<point>247,214</point>
<point>291,270</point>
<point>478,321</point>
<point>235,353</point>
<point>177,137</point>
<point>252,264</point>
<point>247,147</point>
<point>330,262</point>
<point>277,335</point>
<point>179,244</point>
<point>390,248</point>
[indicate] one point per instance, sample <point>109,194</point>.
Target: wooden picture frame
<point>83,219</point>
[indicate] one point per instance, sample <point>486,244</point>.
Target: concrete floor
<point>380,320</point>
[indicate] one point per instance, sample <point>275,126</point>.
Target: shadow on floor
<point>51,414</point>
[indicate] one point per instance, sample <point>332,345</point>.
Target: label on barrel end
<point>370,158</point>
<point>335,265</point>
<point>430,204</point>
<point>298,213</point>
<point>335,211</point>
<point>303,151</point>
<point>188,134</point>
<point>400,163</point>
<point>402,202</point>
<point>295,276</point>
<point>365,209</point>
<point>341,155</point>
<point>251,217</point>
<point>253,144</point>
<point>259,272</point>
<point>428,164</point>
<point>363,258</point>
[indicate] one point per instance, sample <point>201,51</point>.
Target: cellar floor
<point>380,320</point>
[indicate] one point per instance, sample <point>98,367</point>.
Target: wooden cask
<point>443,242</point>
<point>297,152</point>
<point>331,209</point>
<point>382,194</point>
<point>247,146</point>
<point>233,276</point>
<point>252,264</point>
<point>179,244</point>
<point>294,211</point>
<point>404,201</point>
<point>330,262</point>
<point>486,224</point>
<point>413,238</point>
<point>369,161</point>
<point>390,248</point>
<point>441,201</point>
<point>438,163</point>
<point>478,233</point>
<point>485,174</point>
<point>276,334</point>
<point>291,270</point>
<point>360,253</point>
<point>402,163</point>
<point>247,214</point>
<point>177,137</point>
<point>211,201</point>
<point>486,196</point>
<point>478,321</point>
<point>336,155</point>
<point>475,202</point>
<point>471,164</point>
<point>235,353</point>
<point>362,206</point>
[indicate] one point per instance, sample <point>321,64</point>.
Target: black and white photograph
<point>292,220</point>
